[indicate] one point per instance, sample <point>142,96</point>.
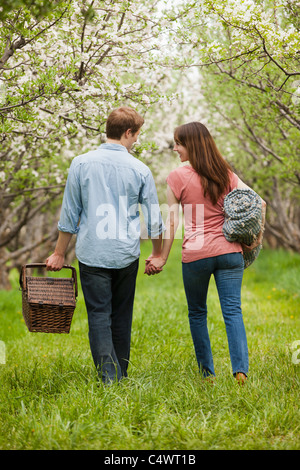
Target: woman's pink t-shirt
<point>203,221</point>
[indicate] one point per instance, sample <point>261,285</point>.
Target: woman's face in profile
<point>182,151</point>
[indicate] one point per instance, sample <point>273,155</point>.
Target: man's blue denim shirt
<point>101,205</point>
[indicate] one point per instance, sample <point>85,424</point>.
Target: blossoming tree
<point>64,65</point>
<point>248,55</point>
<point>60,75</point>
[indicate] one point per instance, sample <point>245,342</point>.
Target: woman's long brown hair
<point>205,158</point>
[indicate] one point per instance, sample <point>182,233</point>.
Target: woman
<point>200,187</point>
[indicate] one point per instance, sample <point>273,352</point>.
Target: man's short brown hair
<point>122,119</point>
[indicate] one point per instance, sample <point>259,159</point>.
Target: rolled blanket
<point>243,219</point>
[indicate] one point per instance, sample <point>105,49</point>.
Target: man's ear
<point>128,132</point>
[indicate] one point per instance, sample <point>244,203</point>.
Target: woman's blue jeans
<point>109,298</point>
<point>228,273</point>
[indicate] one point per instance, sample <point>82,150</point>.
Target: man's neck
<point>113,141</point>
<point>119,142</point>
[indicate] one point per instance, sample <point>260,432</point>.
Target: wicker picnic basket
<point>48,303</point>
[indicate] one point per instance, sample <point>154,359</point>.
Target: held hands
<point>154,265</point>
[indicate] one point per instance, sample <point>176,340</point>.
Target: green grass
<point>50,399</point>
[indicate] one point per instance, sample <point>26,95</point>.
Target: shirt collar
<point>110,146</point>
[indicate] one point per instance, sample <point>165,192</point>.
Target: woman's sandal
<point>241,378</point>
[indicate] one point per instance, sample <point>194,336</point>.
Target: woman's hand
<point>154,265</point>
<point>248,248</point>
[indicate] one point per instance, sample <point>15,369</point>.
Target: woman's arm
<point>259,238</point>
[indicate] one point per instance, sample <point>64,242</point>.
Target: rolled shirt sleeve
<point>72,204</point>
<point>150,207</point>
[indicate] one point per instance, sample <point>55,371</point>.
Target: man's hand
<point>154,265</point>
<point>55,262</point>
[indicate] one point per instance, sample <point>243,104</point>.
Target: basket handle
<point>22,279</point>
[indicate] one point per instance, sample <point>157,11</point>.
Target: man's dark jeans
<point>109,297</point>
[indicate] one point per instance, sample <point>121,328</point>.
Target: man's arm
<point>69,219</point>
<point>56,261</point>
<point>156,245</point>
<point>154,264</point>
<point>153,219</point>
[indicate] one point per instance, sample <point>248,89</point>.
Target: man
<point>101,205</point>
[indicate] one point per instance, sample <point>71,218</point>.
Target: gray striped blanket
<point>243,218</point>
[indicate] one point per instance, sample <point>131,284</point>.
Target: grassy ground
<point>49,398</point>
